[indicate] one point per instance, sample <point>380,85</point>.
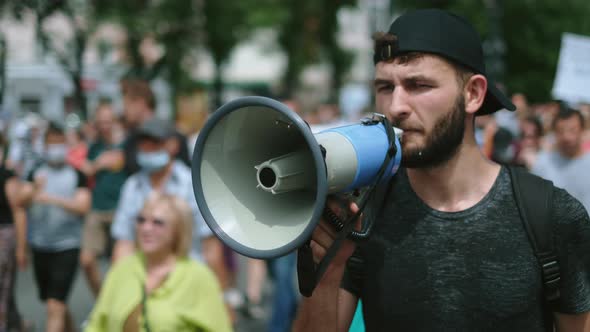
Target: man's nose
<point>399,107</point>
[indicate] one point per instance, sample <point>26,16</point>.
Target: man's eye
<point>420,86</point>
<point>385,88</point>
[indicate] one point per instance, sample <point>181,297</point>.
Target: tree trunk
<point>80,96</point>
<point>217,86</point>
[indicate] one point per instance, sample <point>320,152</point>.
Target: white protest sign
<point>572,80</point>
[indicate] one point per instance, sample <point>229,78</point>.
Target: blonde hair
<point>181,218</point>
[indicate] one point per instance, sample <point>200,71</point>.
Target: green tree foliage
<point>181,27</point>
<point>174,25</point>
<point>224,27</point>
<point>531,31</point>
<point>69,51</point>
<point>309,35</point>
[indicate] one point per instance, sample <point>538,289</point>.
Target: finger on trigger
<point>327,227</point>
<point>321,237</point>
<point>317,251</point>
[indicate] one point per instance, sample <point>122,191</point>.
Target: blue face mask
<point>152,161</point>
<point>55,154</point>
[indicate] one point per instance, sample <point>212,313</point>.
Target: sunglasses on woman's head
<point>142,219</point>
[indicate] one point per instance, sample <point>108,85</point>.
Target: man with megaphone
<point>456,245</point>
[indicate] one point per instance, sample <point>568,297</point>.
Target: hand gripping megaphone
<point>261,177</point>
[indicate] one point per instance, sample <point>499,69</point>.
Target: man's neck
<point>458,184</point>
<point>159,178</point>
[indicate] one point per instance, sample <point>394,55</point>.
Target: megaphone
<point>261,177</point>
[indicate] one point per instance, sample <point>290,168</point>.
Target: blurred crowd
<point>119,186</point>
<point>550,139</point>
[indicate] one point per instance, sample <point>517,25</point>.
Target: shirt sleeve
<point>573,247</point>
<point>98,321</point>
<point>126,212</point>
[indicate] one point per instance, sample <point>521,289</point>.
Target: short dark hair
<point>462,73</point>
<point>535,121</point>
<point>136,88</point>
<point>566,113</point>
<point>54,128</point>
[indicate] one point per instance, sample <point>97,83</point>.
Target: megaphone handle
<point>306,270</point>
<point>308,273</point>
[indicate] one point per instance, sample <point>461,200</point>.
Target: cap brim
<point>150,136</point>
<point>495,100</point>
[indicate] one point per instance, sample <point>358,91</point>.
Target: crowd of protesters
<point>73,195</point>
<point>120,186</point>
<point>551,140</point>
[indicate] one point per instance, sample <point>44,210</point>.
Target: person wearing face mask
<point>160,171</point>
<point>55,215</point>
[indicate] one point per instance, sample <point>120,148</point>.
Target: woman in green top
<point>160,288</point>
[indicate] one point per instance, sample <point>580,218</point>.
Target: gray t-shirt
<point>473,270</point>
<point>52,228</point>
<point>569,174</point>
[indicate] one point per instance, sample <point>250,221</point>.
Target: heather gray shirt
<point>473,270</point>
<point>569,174</point>
<point>52,228</point>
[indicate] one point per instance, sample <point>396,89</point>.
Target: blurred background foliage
<point>521,38</point>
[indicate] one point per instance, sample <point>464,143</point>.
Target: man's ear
<point>475,92</point>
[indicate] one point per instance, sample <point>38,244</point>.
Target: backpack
<point>534,197</point>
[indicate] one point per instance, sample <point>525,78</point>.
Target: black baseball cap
<point>449,36</point>
<point>157,129</point>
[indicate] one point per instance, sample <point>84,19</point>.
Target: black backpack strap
<point>534,198</point>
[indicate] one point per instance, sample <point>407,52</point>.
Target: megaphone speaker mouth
<point>267,178</point>
<point>259,177</point>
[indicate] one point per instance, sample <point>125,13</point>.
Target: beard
<point>442,143</point>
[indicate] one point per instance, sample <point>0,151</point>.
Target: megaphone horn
<point>261,177</point>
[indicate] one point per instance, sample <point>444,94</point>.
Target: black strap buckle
<point>551,276</point>
<point>375,118</point>
<point>386,51</point>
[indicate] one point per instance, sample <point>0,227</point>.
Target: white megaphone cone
<point>261,177</point>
